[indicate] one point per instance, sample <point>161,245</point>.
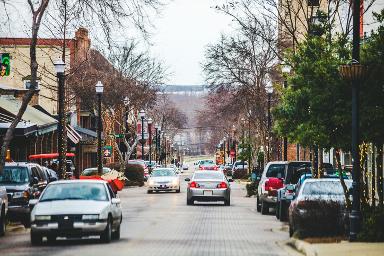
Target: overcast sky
<point>181,34</point>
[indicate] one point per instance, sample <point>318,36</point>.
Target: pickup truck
<point>3,209</point>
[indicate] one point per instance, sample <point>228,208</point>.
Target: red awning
<point>48,156</point>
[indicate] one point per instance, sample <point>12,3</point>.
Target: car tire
<point>258,205</point>
<point>106,236</point>
<point>116,233</point>
<point>178,190</point>
<point>264,208</point>
<point>3,223</point>
<point>189,201</point>
<point>149,192</point>
<point>36,239</point>
<point>227,202</point>
<point>277,211</point>
<point>26,223</point>
<point>51,239</point>
<point>282,211</point>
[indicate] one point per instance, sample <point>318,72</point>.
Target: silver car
<point>208,186</point>
<point>76,208</point>
<point>163,179</point>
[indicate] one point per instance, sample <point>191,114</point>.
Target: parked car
<point>3,209</point>
<point>271,181</point>
<point>208,186</point>
<point>292,173</point>
<point>94,171</point>
<point>319,203</point>
<point>76,208</point>
<point>185,166</point>
<point>163,179</point>
<point>228,169</point>
<point>23,181</point>
<point>201,162</point>
<point>239,169</point>
<point>51,174</point>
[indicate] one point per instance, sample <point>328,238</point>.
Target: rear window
<point>275,171</point>
<point>241,163</point>
<point>324,188</point>
<point>93,171</point>
<point>208,176</point>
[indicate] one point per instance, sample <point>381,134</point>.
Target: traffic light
<point>5,64</point>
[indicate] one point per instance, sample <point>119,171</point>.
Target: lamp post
<point>224,148</point>
<point>242,139</point>
<point>354,73</point>
<point>269,89</point>
<point>149,121</point>
<point>126,110</point>
<point>99,92</point>
<point>142,140</point>
<point>286,69</point>
<point>61,135</point>
<point>156,142</point>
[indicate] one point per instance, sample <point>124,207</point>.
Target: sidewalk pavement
<point>338,249</point>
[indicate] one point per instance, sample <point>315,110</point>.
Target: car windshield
<point>206,162</point>
<point>276,171</point>
<point>163,172</point>
<point>93,171</point>
<point>208,176</point>
<point>75,191</point>
<point>14,174</point>
<point>324,188</point>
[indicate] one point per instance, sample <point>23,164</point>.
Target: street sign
<point>119,136</point>
<point>5,64</point>
<point>107,151</point>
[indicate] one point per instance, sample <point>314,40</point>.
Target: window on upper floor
<point>313,2</point>
<point>27,84</point>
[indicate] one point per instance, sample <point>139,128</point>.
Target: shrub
<point>372,226</point>
<point>134,174</point>
<point>252,188</point>
<point>240,174</point>
<point>318,219</point>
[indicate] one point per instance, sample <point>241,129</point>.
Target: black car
<point>23,181</point>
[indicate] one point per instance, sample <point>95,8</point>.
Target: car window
<point>14,174</point>
<point>42,174</point>
<point>208,176</point>
<point>163,172</point>
<point>93,171</point>
<point>324,188</point>
<point>75,191</point>
<point>111,193</point>
<point>35,173</point>
<point>276,171</point>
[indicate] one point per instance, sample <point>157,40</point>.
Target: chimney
<point>82,44</point>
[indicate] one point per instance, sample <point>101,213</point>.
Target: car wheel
<point>116,234</point>
<point>2,222</point>
<point>282,211</point>
<point>36,239</point>
<point>258,206</point>
<point>26,222</point>
<point>178,190</point>
<point>51,239</point>
<point>106,236</point>
<point>291,230</point>
<point>264,208</point>
<point>189,201</point>
<point>227,202</point>
<point>277,211</point>
<point>149,192</point>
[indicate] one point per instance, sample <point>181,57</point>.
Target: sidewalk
<point>336,249</point>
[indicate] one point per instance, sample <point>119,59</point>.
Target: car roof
<point>79,181</point>
<point>278,162</point>
<point>20,164</point>
<point>323,180</point>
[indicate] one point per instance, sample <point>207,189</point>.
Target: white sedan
<point>163,179</point>
<point>76,208</point>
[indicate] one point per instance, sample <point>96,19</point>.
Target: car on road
<point>76,208</point>
<point>185,166</point>
<point>208,166</point>
<point>270,181</point>
<point>51,174</point>
<point>3,209</point>
<point>208,186</point>
<point>202,162</point>
<point>239,169</point>
<point>292,173</point>
<point>318,198</point>
<point>228,169</point>
<point>93,171</point>
<point>163,179</point>
<point>23,181</point>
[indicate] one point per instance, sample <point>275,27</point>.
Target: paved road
<point>162,224</point>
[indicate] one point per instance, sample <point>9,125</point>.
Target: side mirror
<point>115,201</point>
<point>187,179</point>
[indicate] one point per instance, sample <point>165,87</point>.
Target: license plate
<point>68,224</point>
<point>207,192</point>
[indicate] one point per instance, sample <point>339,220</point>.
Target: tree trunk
<point>346,192</point>
<point>36,20</point>
<point>320,163</point>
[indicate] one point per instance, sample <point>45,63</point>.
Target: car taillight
<point>215,168</point>
<point>193,184</point>
<point>222,185</point>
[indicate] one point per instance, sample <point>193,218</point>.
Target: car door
<point>115,208</point>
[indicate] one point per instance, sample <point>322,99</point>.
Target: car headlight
<point>151,182</point>
<point>90,217</point>
<point>43,217</point>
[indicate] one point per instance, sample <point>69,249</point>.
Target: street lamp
<point>61,134</point>
<point>126,110</point>
<point>286,70</point>
<point>269,90</point>
<point>156,142</point>
<point>149,121</point>
<point>224,148</point>
<point>99,92</point>
<point>142,140</point>
<point>242,139</point>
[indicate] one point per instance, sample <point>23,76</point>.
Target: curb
<point>302,247</point>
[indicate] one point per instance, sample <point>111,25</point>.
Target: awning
<point>73,135</point>
<point>9,107</point>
